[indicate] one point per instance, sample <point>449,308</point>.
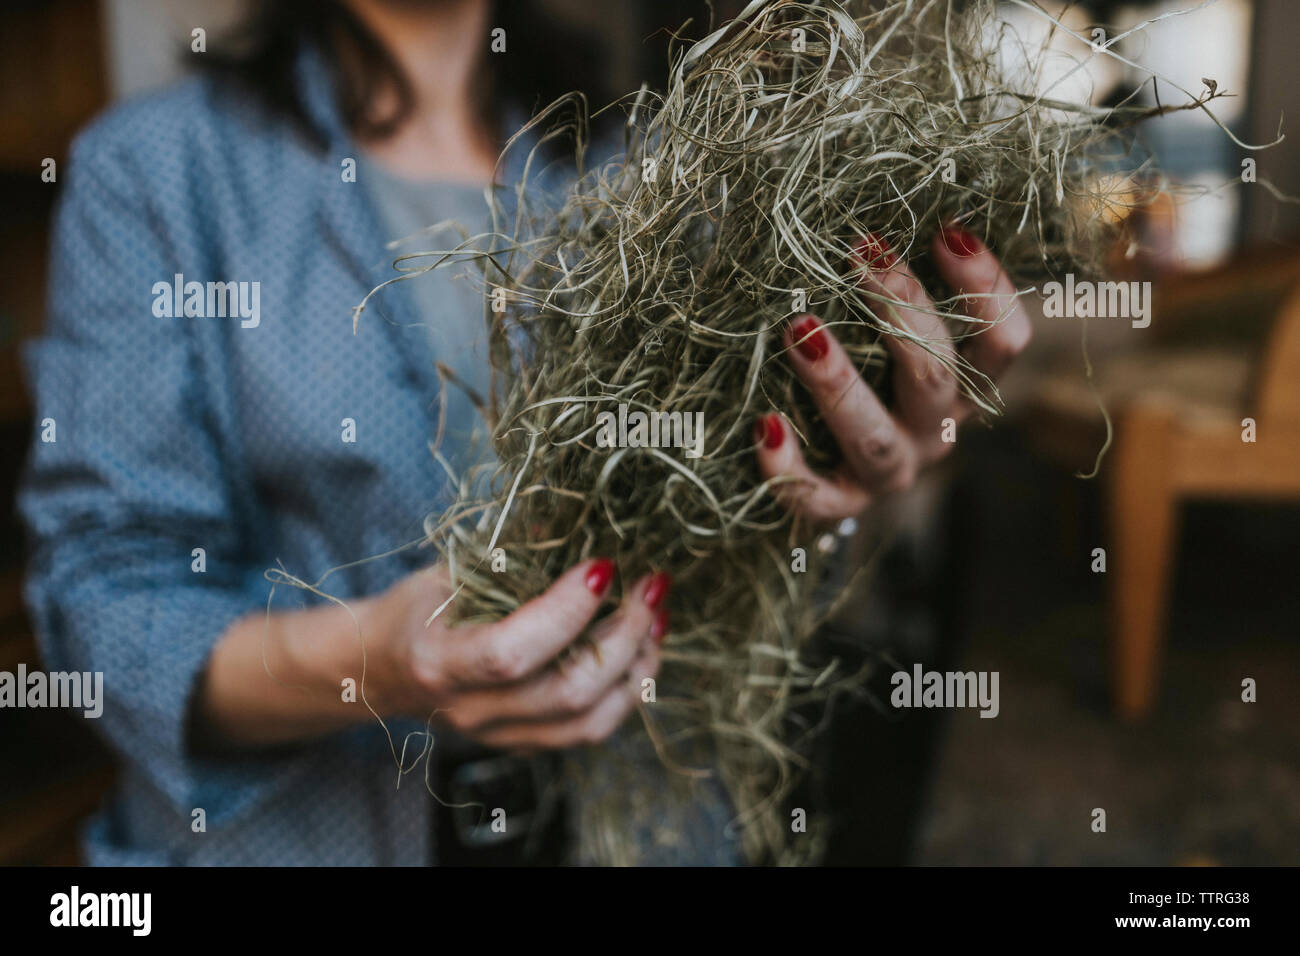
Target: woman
<point>196,449</point>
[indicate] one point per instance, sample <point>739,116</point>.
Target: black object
<point>505,810</point>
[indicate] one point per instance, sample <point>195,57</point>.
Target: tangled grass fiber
<point>661,281</point>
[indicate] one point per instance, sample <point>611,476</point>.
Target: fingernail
<point>659,626</point>
<point>660,584</point>
<point>599,575</point>
<point>875,253</point>
<point>960,242</point>
<point>769,432</point>
<point>809,337</point>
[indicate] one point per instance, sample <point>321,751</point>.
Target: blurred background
<point>1120,689</point>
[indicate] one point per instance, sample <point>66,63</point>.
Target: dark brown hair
<point>543,60</point>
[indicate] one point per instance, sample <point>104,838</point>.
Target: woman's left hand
<point>885,449</point>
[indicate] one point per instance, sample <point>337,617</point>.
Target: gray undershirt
<point>450,299</point>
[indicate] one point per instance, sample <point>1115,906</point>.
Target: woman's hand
<point>884,449</point>
<point>513,684</point>
<point>519,683</point>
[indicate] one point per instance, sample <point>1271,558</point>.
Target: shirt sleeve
<point>126,478</point>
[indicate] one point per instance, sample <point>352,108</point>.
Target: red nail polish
<point>655,592</point>
<point>769,431</point>
<point>809,338</point>
<point>960,242</point>
<point>875,253</point>
<point>659,626</point>
<point>599,575</point>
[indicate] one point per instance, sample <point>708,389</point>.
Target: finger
<point>925,388</point>
<point>578,680</point>
<point>967,266</point>
<point>821,499</point>
<point>524,642</point>
<point>591,727</point>
<point>878,451</point>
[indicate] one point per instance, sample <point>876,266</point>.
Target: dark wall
<point>1275,95</point>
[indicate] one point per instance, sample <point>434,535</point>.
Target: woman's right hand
<point>520,683</point>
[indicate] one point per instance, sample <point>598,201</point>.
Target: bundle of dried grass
<point>659,284</point>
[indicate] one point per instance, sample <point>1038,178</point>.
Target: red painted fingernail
<point>960,242</point>
<point>875,253</point>
<point>775,433</point>
<point>599,575</point>
<point>660,584</point>
<point>659,626</point>
<point>769,431</point>
<point>809,337</point>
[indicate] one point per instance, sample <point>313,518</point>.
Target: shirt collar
<point>316,89</point>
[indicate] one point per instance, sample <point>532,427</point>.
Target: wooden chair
<point>1179,437</point>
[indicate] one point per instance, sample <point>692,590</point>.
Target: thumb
<point>533,635</point>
